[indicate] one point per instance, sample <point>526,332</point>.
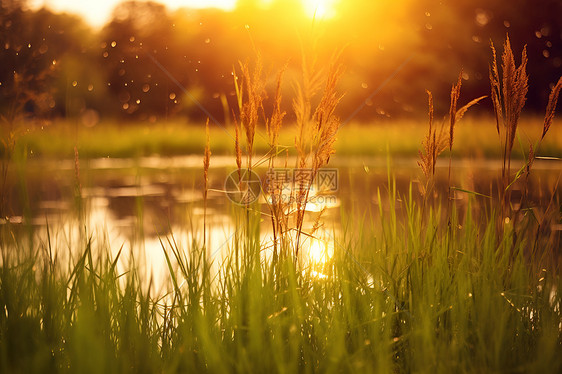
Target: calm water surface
<point>148,203</point>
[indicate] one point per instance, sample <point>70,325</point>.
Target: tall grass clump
<point>439,139</point>
<point>509,94</point>
<point>316,132</point>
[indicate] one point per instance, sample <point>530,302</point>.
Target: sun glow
<point>97,13</point>
<point>319,9</point>
<point>319,251</point>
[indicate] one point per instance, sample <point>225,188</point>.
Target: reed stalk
<point>509,94</point>
<point>206,164</point>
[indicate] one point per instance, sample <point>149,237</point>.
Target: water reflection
<point>148,205</point>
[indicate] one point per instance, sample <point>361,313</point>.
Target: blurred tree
<point>26,67</point>
<point>140,63</point>
<point>138,34</point>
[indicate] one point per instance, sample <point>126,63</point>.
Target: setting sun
<point>319,9</point>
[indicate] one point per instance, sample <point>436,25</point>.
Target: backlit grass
<point>476,137</point>
<point>415,283</point>
<point>405,295</point>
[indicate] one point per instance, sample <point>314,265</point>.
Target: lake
<point>149,203</point>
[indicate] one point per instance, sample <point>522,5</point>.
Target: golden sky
<point>97,12</point>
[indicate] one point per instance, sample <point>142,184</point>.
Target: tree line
<point>149,63</point>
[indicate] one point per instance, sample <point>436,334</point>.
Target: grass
<point>412,287</point>
<point>408,295</point>
<point>475,138</point>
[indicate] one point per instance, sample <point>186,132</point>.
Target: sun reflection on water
<point>319,251</point>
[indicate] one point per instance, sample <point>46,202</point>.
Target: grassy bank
<point>406,295</point>
<point>475,138</point>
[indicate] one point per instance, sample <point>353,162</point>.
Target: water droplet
<point>247,27</point>
<point>43,49</point>
<point>538,34</point>
<point>506,23</point>
<point>90,87</point>
<point>482,17</point>
<point>208,40</point>
<point>138,101</point>
<point>549,44</point>
<point>145,88</point>
<point>103,45</point>
<point>126,106</point>
<point>132,39</point>
<point>105,54</point>
<point>121,72</point>
<point>364,85</point>
<point>172,96</point>
<point>113,44</point>
<point>465,76</point>
<point>29,45</point>
<point>427,14</point>
<point>74,83</point>
<point>428,26</point>
<point>546,53</point>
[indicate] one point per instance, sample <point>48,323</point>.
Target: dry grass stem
<point>551,107</point>
<point>434,143</point>
<point>253,94</point>
<point>273,125</point>
<point>238,149</point>
<point>206,164</point>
